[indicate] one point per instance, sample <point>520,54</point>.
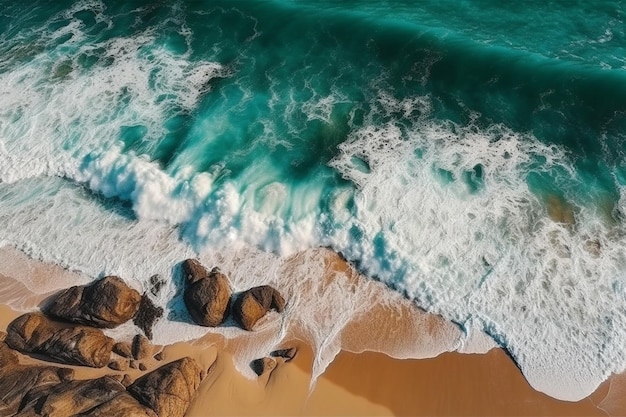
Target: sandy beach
<point>367,383</point>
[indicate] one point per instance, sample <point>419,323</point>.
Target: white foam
<point>491,257</point>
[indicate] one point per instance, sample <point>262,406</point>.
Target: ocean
<point>468,154</point>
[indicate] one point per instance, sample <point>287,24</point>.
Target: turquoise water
<point>470,154</point>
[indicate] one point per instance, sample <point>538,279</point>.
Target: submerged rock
<point>106,303</point>
<point>169,389</point>
<point>207,295</point>
<point>76,345</point>
<point>254,303</point>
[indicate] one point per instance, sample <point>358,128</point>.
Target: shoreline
<point>368,382</point>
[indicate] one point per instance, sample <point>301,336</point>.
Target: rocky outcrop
<point>69,399</point>
<point>16,380</point>
<point>207,295</point>
<point>124,405</point>
<point>169,389</point>
<point>106,303</point>
<point>255,303</point>
<point>75,345</point>
<point>147,315</point>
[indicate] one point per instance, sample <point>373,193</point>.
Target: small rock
<point>118,365</point>
<point>254,303</point>
<point>169,389</point>
<point>133,364</point>
<point>156,283</point>
<point>141,347</point>
<point>107,303</point>
<point>123,349</point>
<point>207,295</point>
<point>159,356</point>
<point>147,315</point>
<point>66,374</point>
<point>263,365</point>
<point>287,353</point>
<point>126,380</point>
<point>142,367</point>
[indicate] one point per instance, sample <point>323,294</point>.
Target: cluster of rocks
<point>209,299</point>
<point>70,333</point>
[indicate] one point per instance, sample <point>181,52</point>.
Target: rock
<point>123,349</point>
<point>118,365</point>
<point>169,389</point>
<point>263,365</point>
<point>255,303</point>
<point>106,303</point>
<point>133,364</point>
<point>141,347</point>
<point>147,315</point>
<point>124,405</point>
<point>287,353</point>
<point>194,270</point>
<point>156,283</point>
<point>16,380</point>
<point>3,336</point>
<point>126,380</point>
<point>66,374</point>
<point>207,295</point>
<point>69,399</point>
<point>142,367</point>
<point>159,356</point>
<point>77,345</point>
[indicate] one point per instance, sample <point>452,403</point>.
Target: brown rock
<point>287,353</point>
<point>141,347</point>
<point>77,345</point>
<point>126,380</point>
<point>169,389</point>
<point>159,356</point>
<point>255,303</point>
<point>3,336</point>
<point>133,364</point>
<point>124,405</point>
<point>207,295</point>
<point>118,365</point>
<point>147,315</point>
<point>69,399</point>
<point>123,349</point>
<point>142,367</point>
<point>16,380</point>
<point>194,270</point>
<point>107,303</point>
<point>263,365</point>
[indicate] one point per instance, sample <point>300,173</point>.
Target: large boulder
<point>207,295</point>
<point>70,399</point>
<point>75,345</point>
<point>254,303</point>
<point>106,303</point>
<point>16,380</point>
<point>124,405</point>
<point>169,389</point>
